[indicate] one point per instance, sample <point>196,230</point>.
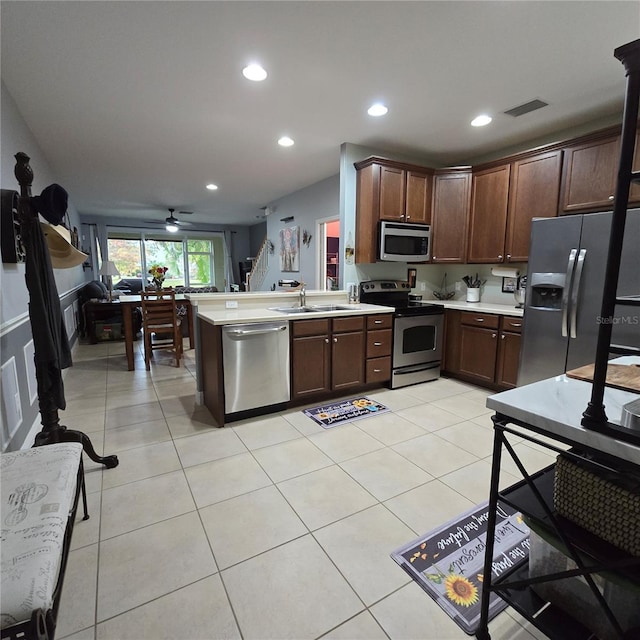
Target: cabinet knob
<point>434,257</point>
<point>500,257</point>
<point>326,340</point>
<point>508,256</point>
<point>408,217</point>
<point>335,339</point>
<point>479,319</point>
<point>377,322</point>
<point>377,344</point>
<point>610,197</point>
<point>493,335</point>
<point>502,337</point>
<point>377,370</point>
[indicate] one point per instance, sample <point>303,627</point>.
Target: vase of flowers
<point>157,275</point>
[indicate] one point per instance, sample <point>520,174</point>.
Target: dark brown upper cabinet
<point>533,193</point>
<point>488,220</point>
<point>589,175</point>
<point>388,190</point>
<point>450,215</point>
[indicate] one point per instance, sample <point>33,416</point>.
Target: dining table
<point>130,302</point>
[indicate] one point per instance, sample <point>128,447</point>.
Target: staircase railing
<point>259,268</point>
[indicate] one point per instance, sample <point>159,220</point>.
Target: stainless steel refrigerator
<point>564,293</point>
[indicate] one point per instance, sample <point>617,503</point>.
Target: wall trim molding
<point>14,323</point>
<point>11,325</point>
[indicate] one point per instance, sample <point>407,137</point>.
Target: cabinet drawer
<point>342,325</point>
<point>316,327</point>
<point>379,343</point>
<point>486,320</point>
<point>510,323</point>
<point>378,369</point>
<point>380,322</point>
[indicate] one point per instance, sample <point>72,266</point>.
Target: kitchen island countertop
<point>235,316</point>
<point>555,406</point>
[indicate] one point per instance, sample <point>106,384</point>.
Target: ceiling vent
<point>527,107</point>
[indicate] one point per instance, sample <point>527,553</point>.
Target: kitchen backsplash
<point>430,276</point>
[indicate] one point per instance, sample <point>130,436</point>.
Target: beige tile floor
<point>271,527</point>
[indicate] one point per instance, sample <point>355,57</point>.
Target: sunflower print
<point>460,590</point>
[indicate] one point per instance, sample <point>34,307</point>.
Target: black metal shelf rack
<point>595,417</point>
<point>533,497</point>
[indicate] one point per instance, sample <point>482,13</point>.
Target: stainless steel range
<point>417,331</point>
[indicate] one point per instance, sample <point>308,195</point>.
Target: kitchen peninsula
<point>329,351</point>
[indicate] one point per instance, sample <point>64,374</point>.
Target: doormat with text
<point>343,411</point>
<point>448,562</point>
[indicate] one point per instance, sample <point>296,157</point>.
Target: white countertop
<point>556,405</point>
<point>262,314</point>
<point>482,307</point>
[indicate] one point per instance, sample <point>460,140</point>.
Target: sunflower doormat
<point>343,411</point>
<point>448,562</point>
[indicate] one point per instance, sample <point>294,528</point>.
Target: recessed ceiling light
<point>481,121</point>
<point>377,109</point>
<point>254,72</point>
<point>286,141</point>
<point>212,187</point>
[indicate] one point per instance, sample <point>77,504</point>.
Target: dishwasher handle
<point>240,333</point>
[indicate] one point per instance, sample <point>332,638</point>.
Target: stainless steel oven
<point>417,348</point>
<point>417,331</point>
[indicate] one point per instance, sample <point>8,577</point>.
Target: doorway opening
<point>328,230</point>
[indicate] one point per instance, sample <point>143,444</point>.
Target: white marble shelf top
<point>482,307</point>
<point>555,405</point>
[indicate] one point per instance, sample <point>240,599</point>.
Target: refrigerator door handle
<point>575,292</point>
<point>565,292</point>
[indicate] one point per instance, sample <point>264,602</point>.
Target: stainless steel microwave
<point>404,242</point>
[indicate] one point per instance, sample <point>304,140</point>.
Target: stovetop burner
<point>395,293</point>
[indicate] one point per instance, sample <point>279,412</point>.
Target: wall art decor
<point>289,245</point>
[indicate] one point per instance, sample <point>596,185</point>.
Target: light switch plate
<point>231,304</point>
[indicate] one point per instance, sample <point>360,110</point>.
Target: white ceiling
<point>137,105</point>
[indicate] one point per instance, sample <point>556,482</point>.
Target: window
<point>127,257</point>
<point>191,262</point>
<point>200,262</point>
<point>166,253</point>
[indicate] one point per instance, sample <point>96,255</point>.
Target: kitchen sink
<point>292,309</point>
<point>330,307</point>
<point>316,308</point>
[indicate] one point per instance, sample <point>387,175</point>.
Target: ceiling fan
<point>172,224</point>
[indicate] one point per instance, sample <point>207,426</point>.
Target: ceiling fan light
<point>172,228</point>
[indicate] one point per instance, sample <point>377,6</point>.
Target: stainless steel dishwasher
<point>256,365</point>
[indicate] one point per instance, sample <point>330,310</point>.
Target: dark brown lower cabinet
<point>482,348</point>
<point>508,359</point>
<point>326,355</point>
<point>478,351</point>
<point>310,365</point>
<point>347,360</point>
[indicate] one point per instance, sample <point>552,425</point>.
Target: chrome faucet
<point>303,295</point>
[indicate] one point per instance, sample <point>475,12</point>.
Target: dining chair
<point>160,324</point>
